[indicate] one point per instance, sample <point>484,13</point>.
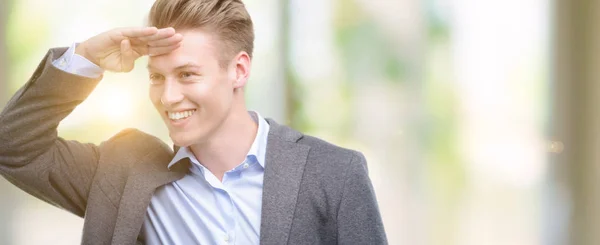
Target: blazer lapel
<point>147,175</point>
<point>285,161</point>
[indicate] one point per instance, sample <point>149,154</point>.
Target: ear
<point>240,69</point>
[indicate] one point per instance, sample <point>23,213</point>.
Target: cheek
<point>223,94</point>
<point>205,91</point>
<point>214,98</point>
<point>197,92</point>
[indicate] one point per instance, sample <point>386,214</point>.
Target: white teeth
<point>180,115</point>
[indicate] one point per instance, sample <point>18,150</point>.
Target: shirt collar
<point>183,152</point>
<point>257,150</point>
<point>259,146</point>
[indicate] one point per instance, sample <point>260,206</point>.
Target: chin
<point>185,139</point>
<point>180,139</point>
<point>180,143</point>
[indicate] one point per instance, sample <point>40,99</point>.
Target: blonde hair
<point>227,19</point>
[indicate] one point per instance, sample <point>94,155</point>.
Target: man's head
<point>228,20</point>
<point>199,86</point>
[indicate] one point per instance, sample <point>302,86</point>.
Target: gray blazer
<point>314,192</point>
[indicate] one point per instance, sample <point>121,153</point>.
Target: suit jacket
<point>314,192</point>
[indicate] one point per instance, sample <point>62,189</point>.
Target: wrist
<point>82,51</point>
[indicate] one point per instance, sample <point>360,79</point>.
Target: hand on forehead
<point>158,41</point>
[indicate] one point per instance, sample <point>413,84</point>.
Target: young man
<point>233,177</point>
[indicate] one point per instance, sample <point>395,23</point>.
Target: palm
<point>117,50</point>
<point>116,58</point>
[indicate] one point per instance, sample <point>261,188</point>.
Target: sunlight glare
<point>116,104</point>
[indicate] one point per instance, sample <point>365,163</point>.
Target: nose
<point>171,94</point>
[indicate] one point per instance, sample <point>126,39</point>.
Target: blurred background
<point>477,117</point>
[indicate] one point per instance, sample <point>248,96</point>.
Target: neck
<point>229,145</point>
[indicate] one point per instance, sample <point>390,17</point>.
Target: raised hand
<point>116,50</point>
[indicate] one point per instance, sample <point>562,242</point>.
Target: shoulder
<point>334,159</point>
<point>330,172</point>
<point>130,145</point>
<point>321,152</point>
<point>325,150</point>
<point>132,137</point>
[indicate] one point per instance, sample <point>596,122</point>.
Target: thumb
<point>127,56</point>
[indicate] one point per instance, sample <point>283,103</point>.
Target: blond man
<point>233,177</point>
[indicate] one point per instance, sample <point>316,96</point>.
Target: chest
<point>293,202</point>
<point>199,209</point>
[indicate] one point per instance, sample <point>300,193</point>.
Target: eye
<point>186,75</point>
<point>155,78</point>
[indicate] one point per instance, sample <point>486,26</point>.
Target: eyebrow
<point>181,67</point>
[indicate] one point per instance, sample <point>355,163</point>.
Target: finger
<point>160,34</point>
<point>138,32</point>
<point>175,39</point>
<point>127,56</point>
<point>156,51</point>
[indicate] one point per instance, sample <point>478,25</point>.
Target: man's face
<point>191,92</point>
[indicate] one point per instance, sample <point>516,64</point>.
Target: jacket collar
<point>285,161</point>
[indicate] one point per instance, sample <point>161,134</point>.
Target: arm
<point>74,63</point>
<point>358,218</point>
<point>32,156</point>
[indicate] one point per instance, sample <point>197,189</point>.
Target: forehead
<point>197,47</point>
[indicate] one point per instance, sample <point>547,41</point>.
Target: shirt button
<point>246,165</point>
<point>226,238</point>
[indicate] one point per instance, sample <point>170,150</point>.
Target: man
<point>233,177</point>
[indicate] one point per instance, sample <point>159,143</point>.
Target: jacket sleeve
<point>358,218</point>
<point>32,156</point>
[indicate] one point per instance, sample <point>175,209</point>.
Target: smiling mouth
<point>180,115</point>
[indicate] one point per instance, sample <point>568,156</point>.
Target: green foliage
<point>296,110</point>
<point>26,32</point>
<point>366,51</point>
